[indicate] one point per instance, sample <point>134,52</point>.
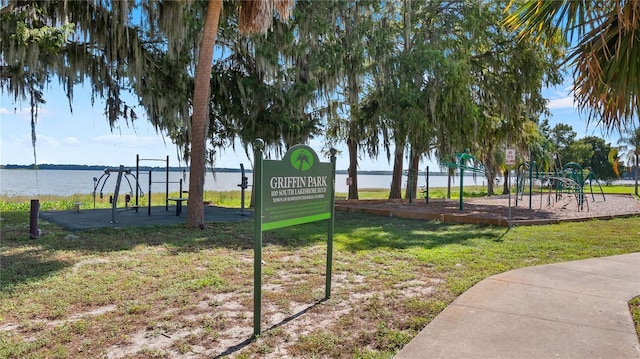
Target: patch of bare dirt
<point>282,327</point>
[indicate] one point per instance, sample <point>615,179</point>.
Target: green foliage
<point>578,152</point>
<point>50,39</point>
<point>457,78</point>
<point>634,306</point>
<point>590,152</point>
<point>599,160</point>
<point>435,75</point>
<point>390,339</point>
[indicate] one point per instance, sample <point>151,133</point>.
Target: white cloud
<point>71,141</point>
<point>563,102</point>
<point>41,112</point>
<point>47,141</point>
<point>25,141</point>
<point>127,140</point>
<point>24,112</point>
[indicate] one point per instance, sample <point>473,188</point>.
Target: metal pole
<point>34,232</point>
<point>508,179</point>
<point>95,185</point>
<point>531,181</point>
<point>581,195</point>
<point>257,247</point>
<point>464,160</point>
<point>166,192</point>
<point>114,205</point>
<point>137,176</point>
<point>517,169</point>
<point>242,187</point>
<point>427,194</point>
<point>149,195</point>
<point>327,291</point>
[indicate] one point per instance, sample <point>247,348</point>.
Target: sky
<point>84,136</point>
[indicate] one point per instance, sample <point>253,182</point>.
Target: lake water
<point>24,182</point>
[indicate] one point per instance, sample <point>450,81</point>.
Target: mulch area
<point>543,209</point>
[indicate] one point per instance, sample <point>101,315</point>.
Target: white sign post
<point>510,157</point>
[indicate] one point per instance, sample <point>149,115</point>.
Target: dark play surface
<point>99,218</point>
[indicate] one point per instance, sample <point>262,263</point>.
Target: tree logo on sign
<point>302,159</point>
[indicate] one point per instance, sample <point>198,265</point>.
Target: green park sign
<point>298,189</point>
<point>295,190</point>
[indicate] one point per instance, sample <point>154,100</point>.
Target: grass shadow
<point>353,232</point>
<point>400,233</point>
<point>24,267</point>
<point>235,348</point>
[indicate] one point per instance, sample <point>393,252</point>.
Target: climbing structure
<point>464,162</point>
<point>570,180</point>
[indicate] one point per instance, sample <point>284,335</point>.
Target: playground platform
<point>495,210</point>
<point>101,218</point>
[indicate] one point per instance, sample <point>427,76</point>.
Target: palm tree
<point>255,16</point>
<point>606,58</point>
<point>630,150</point>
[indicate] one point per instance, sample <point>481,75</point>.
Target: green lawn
<point>170,291</point>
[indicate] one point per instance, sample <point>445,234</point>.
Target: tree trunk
<point>491,177</point>
<point>352,145</point>
<point>491,184</point>
<point>506,185</point>
<point>490,171</point>
<point>200,117</point>
<point>396,179</point>
<point>412,178</point>
<point>354,132</point>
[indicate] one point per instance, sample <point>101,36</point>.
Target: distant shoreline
<point>46,166</point>
<point>101,168</point>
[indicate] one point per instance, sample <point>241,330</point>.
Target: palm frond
<point>256,16</point>
<point>606,60</point>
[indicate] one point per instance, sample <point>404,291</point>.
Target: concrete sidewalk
<point>568,310</point>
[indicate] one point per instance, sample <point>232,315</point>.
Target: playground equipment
<point>166,182</point>
<point>592,177</point>
<point>99,183</point>
<point>465,161</point>
<point>126,174</point>
<point>569,180</point>
<point>425,191</point>
<point>179,200</point>
<point>244,184</point>
<point>122,172</point>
